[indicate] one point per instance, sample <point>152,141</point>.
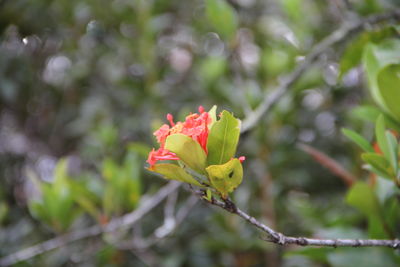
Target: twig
<point>125,221</point>
<point>329,163</point>
<point>281,239</point>
<point>181,214</point>
<point>347,30</point>
<point>169,218</point>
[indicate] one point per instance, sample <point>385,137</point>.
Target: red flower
<point>194,126</point>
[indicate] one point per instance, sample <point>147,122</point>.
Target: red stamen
<point>204,134</point>
<point>166,157</point>
<point>195,126</point>
<point>170,118</point>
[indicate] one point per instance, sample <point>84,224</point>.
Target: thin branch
<point>127,220</point>
<point>181,214</point>
<point>281,239</point>
<point>347,30</point>
<point>329,163</point>
<point>169,217</point>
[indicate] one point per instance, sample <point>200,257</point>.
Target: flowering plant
<point>200,151</point>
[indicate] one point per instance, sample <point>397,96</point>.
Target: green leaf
<point>389,86</point>
<point>392,207</point>
<point>213,115</point>
<point>109,169</point>
<point>38,211</point>
<point>275,61</point>
<point>354,51</point>
<point>208,195</point>
<point>223,139</point>
<point>375,58</point>
<point>212,68</point>
<point>174,172</point>
<point>393,151</point>
<point>57,204</point>
<point>60,171</point>
<point>131,170</point>
<point>381,136</point>
<point>371,113</point>
<point>371,66</point>
<point>378,172</point>
<point>122,184</point>
<point>294,9</point>
<point>362,197</point>
<point>222,17</point>
<point>226,177</point>
<point>85,198</point>
<point>358,139</point>
<point>371,257</point>
<point>188,150</point>
<point>366,113</point>
<point>379,163</point>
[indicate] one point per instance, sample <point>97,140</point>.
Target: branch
<point>142,244</point>
<point>329,163</point>
<point>344,32</point>
<point>122,222</point>
<point>281,239</point>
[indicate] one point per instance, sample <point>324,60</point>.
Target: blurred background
<point>83,85</point>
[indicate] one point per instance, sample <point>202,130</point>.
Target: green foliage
<point>223,139</point>
<point>87,200</point>
<point>293,8</point>
<point>174,172</point>
<point>371,257</point>
<point>212,68</point>
<point>362,197</point>
<point>378,164</point>
<point>276,61</point>
<point>388,81</point>
<point>188,150</point>
<point>378,61</point>
<point>122,186</point>
<point>222,17</point>
<point>393,147</point>
<point>217,168</point>
<point>63,200</point>
<point>381,139</point>
<point>213,115</point>
<point>383,162</point>
<point>56,206</point>
<point>225,178</point>
<point>358,139</point>
<point>353,53</point>
<point>366,113</point>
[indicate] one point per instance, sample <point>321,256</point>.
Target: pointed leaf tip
<point>223,139</point>
<point>174,172</point>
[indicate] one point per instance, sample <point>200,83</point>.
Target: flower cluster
<point>205,147</point>
<point>195,126</point>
